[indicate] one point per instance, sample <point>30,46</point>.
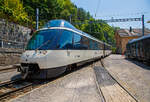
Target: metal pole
<point>2,44</point>
<point>143,25</point>
<point>70,18</point>
<point>37,18</point>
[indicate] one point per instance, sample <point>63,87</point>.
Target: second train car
<point>139,48</point>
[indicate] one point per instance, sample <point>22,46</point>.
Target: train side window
<point>95,46</point>
<point>147,42</point>
<point>91,44</point>
<point>77,41</point>
<point>65,41</point>
<point>84,43</point>
<point>101,46</point>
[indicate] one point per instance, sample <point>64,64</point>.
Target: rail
<point>10,85</point>
<point>136,100</point>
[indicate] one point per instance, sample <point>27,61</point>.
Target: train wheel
<point>68,68</point>
<point>74,66</point>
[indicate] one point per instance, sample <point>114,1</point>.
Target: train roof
<point>58,23</point>
<point>63,23</point>
<point>138,39</point>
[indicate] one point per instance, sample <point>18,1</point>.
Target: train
<point>139,49</point>
<point>57,46</point>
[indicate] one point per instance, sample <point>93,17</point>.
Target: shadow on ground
<point>139,63</point>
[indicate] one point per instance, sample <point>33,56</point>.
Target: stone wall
<point>9,58</point>
<point>13,39</point>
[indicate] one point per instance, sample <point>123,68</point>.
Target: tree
<point>25,11</point>
<point>13,10</point>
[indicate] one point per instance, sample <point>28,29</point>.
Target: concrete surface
<point>111,90</point>
<point>89,84</point>
<point>134,76</point>
<point>78,86</point>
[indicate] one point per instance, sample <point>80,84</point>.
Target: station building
<point>122,36</point>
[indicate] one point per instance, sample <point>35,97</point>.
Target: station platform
<point>132,75</point>
<point>114,79</point>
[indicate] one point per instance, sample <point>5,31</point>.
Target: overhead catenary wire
<point>118,15</point>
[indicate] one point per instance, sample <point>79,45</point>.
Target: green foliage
<point>24,12</point>
<point>99,30</point>
<point>13,10</point>
<point>113,50</point>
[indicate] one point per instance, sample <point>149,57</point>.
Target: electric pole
<point>70,18</point>
<point>37,18</point>
<point>143,25</point>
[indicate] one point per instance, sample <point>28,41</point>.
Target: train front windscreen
<point>43,40</point>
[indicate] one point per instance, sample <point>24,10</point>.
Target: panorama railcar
<point>58,45</point>
<point>139,48</point>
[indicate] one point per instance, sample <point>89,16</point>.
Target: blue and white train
<point>52,49</point>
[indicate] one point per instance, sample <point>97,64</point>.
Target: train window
<point>91,43</point>
<point>85,43</point>
<point>77,41</point>
<point>65,41</point>
<point>43,40</point>
<point>95,45</point>
<point>147,42</point>
<point>101,46</point>
<point>81,42</point>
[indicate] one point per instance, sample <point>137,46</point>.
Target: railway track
<point>10,68</point>
<point>10,89</point>
<point>7,70</point>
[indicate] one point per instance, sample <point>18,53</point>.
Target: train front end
<point>40,58</point>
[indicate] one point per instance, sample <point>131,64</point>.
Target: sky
<point>106,9</point>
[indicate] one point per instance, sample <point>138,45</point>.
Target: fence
<point>12,44</point>
<point>10,51</point>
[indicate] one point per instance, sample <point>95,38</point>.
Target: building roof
<point>146,31</point>
<point>133,33</point>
